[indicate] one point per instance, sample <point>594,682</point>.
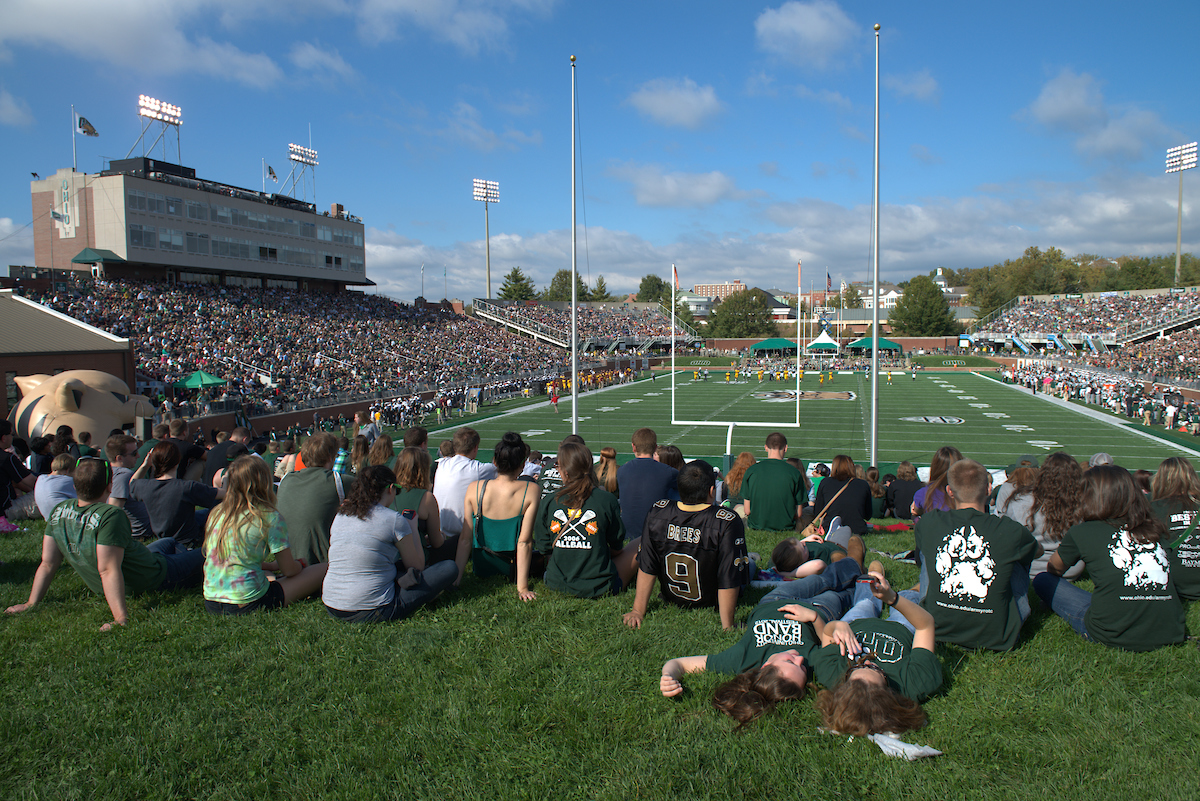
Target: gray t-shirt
<point>50,491</point>
<point>362,560</point>
<point>139,518</point>
<point>1018,506</point>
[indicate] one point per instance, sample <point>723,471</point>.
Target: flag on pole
<point>675,273</point>
<point>271,174</point>
<point>828,281</point>
<point>62,218</point>
<point>84,127</point>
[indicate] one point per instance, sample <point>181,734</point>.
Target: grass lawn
<point>481,696</point>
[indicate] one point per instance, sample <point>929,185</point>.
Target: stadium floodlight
<point>158,110</point>
<point>488,192</point>
<point>1179,159</point>
<point>303,155</point>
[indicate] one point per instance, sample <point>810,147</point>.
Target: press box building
<point>153,220</point>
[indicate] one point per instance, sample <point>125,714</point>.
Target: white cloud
<point>653,187</point>
<point>760,84</point>
<point>813,34</point>
<point>923,155</point>
<point>16,242</point>
<point>769,168</point>
<point>143,35</point>
<point>465,125</point>
<point>470,25</point>
<point>323,64</point>
<point>827,96</point>
<point>670,101</point>
<point>1073,104</point>
<point>14,111</point>
<point>917,85</point>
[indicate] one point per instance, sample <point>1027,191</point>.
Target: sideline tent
<point>884,344</point>
<point>775,343</point>
<point>199,380</point>
<point>824,343</point>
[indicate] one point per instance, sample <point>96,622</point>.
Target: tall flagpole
<point>74,125</point>
<point>875,250</point>
<point>799,282</point>
<point>574,275</point>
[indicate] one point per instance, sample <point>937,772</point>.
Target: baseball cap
<point>1100,459</point>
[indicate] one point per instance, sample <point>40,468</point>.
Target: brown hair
<point>843,468</point>
<point>939,471</point>
<point>466,440</point>
<point>969,480</point>
<point>606,471</point>
<point>1056,492</point>
<point>359,451</point>
<point>906,472</point>
<point>114,446</point>
<point>249,495</point>
<point>575,463</point>
<point>412,469</point>
<point>319,450</point>
<point>872,474</point>
<point>860,709</point>
<point>1176,481</point>
<point>740,465</point>
<point>382,451</point>
<point>644,442</point>
<point>63,463</point>
<point>1022,478</point>
<point>163,458</point>
<point>92,476</point>
<point>750,695</point>
<point>789,554</point>
<point>368,489</point>
<point>776,441</point>
<point>671,456</point>
<point>1110,494</point>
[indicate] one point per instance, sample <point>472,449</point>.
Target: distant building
<point>719,291</point>
<point>699,305</point>
<point>150,219</point>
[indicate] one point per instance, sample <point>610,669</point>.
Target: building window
<point>156,203</point>
<point>324,233</point>
<point>267,254</point>
<point>137,200</point>
<point>275,283</point>
<point>142,236</point>
<point>199,278</point>
<point>175,206</point>
<point>170,240</point>
<point>197,243</point>
<point>197,211</point>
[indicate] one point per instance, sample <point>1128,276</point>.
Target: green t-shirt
<point>78,530</point>
<point>971,558</point>
<point>768,633</point>
<point>410,500</point>
<point>1184,556</point>
<point>308,500</point>
<point>581,562</point>
<point>823,551</point>
<point>147,446</point>
<point>1134,605</point>
<point>239,577</point>
<point>913,672</point>
<point>774,489</point>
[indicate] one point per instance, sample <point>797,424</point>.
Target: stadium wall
<point>908,343</point>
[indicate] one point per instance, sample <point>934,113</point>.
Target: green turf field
<point>987,420</point>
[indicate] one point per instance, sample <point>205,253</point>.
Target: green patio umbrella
<point>199,380</point>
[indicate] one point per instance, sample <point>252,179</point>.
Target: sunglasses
<point>107,466</point>
<point>865,660</point>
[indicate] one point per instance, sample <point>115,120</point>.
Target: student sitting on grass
<point>367,540</point>
<point>500,510</point>
<point>1176,500</point>
<point>95,538</point>
<point>773,661</point>
<point>889,665</point>
<point>1134,605</point>
<point>246,537</point>
<point>415,500</point>
<point>579,529</point>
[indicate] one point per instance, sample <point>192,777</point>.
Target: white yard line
<point>1096,415</point>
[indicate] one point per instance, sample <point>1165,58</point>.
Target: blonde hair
<point>249,496</point>
<point>606,470</point>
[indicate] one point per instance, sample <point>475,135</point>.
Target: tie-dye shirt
<point>239,578</point>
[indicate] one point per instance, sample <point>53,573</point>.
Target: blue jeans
<point>1018,585</point>
<point>866,605</point>
<point>184,568</point>
<point>1064,599</point>
<point>432,580</point>
<point>832,589</point>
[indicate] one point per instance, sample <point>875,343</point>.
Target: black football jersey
<point>694,554</point>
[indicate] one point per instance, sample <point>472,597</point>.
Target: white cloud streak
<point>323,64</point>
<point>472,26</point>
<point>920,85</point>
<point>14,111</point>
<point>652,186</point>
<point>676,102</point>
<point>814,34</point>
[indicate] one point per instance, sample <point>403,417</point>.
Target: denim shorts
<point>273,598</point>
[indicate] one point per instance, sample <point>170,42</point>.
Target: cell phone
<point>409,514</point>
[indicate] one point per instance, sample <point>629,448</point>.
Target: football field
<point>985,419</point>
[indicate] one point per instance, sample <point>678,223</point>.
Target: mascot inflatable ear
<point>85,400</point>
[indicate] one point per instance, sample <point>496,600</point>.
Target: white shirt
<point>51,490</point>
<point>454,475</point>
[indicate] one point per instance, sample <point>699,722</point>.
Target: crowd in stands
<point>1109,314</point>
<point>596,321</point>
<point>388,530</point>
<point>311,346</point>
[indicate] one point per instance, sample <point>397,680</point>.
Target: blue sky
<point>730,138</point>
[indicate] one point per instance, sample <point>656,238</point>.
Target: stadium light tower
<point>152,110</point>
<point>304,157</point>
<point>488,192</point>
<point>1179,159</point>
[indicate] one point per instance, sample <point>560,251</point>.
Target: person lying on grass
<point>889,665</point>
<point>246,537</point>
<point>775,659</point>
<point>96,539</point>
<point>367,539</point>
